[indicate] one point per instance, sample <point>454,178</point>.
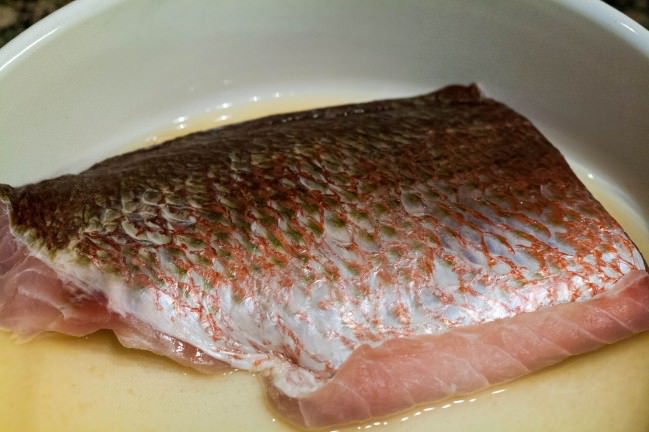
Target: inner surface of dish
<point>94,378</point>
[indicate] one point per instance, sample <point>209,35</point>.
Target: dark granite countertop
<point>17,15</point>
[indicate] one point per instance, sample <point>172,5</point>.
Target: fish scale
<point>283,244</point>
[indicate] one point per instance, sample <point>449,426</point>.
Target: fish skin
<point>285,244</point>
<point>33,300</point>
<point>404,372</point>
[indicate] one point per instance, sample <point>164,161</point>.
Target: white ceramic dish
<point>101,75</point>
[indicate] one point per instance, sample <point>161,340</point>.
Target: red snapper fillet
<point>363,258</point>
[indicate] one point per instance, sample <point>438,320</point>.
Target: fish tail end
<point>458,94</point>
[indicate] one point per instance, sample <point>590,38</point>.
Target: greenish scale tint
<point>380,209</point>
<point>212,216</point>
<point>417,245</point>
<point>413,199</point>
<point>329,157</point>
<point>330,202</point>
<point>224,253</point>
<point>288,183</point>
<point>333,167</point>
<point>148,257</point>
<point>139,286</point>
<point>367,236</point>
<point>191,243</point>
<point>315,228</point>
<point>101,201</point>
<point>331,275</point>
<point>313,171</point>
<point>130,207</point>
<point>152,196</point>
<point>197,201</point>
<point>180,272</point>
<point>221,236</point>
<point>156,281</point>
<point>359,215</point>
<point>278,262</point>
<point>274,242</point>
<point>441,212</point>
<point>537,228</point>
<point>310,208</point>
<point>175,200</point>
<point>287,212</point>
<point>242,226</point>
<point>349,196</point>
<point>200,260</point>
<point>93,225</point>
<point>196,244</point>
<point>312,184</point>
<point>336,221</point>
<point>110,215</point>
<point>259,158</point>
<point>303,257</point>
<point>342,178</point>
<point>448,188</point>
<point>388,231</point>
<point>110,268</point>
<point>521,234</point>
<point>171,251</point>
<point>228,203</point>
<point>537,276</point>
<point>366,188</point>
<point>295,236</point>
<point>268,221</point>
<point>250,247</point>
<point>101,254</point>
<point>110,228</point>
<point>82,260</point>
<point>220,188</point>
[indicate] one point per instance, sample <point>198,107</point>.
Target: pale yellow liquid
<point>58,383</point>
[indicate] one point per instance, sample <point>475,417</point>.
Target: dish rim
<point>596,11</point>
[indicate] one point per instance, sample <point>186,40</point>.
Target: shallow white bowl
<point>100,75</point>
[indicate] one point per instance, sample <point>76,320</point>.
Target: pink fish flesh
<point>363,258</point>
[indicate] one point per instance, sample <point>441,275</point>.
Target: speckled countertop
<point>17,15</point>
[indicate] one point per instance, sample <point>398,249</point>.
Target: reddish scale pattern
<point>34,300</point>
<point>300,237</point>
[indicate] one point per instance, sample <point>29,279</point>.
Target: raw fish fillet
<point>363,258</point>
